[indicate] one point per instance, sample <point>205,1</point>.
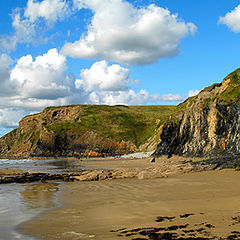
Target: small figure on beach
<point>153,160</point>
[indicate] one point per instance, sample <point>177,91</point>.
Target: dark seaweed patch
<point>186,215</point>
<point>161,219</point>
<point>209,226</point>
<point>182,233</point>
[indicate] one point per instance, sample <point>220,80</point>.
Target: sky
<point>61,52</point>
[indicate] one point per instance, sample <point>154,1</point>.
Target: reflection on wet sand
<point>21,202</point>
<point>39,195</point>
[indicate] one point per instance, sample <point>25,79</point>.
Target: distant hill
<point>80,130</point>
<point>208,126</point>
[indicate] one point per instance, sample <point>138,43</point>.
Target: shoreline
<point>111,168</point>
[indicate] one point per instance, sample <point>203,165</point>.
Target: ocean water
<point>46,165</point>
<point>21,202</point>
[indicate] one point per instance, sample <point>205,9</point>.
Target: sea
<point>22,202</point>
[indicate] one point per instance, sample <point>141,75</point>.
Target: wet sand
<point>118,209</point>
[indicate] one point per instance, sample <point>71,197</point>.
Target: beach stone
<point>90,176</point>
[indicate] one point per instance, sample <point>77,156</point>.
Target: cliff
<point>208,125</point>
<point>86,130</point>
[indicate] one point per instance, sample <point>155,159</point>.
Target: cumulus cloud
<point>109,84</point>
<point>36,83</point>
<point>103,77</point>
<point>43,78</point>
<point>232,19</point>
<point>125,34</point>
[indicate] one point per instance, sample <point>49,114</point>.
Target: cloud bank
<point>122,33</point>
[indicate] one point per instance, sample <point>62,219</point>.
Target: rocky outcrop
<point>208,125</point>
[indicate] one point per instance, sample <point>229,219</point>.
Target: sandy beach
<point>204,204</point>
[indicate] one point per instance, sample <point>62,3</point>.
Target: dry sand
<point>99,210</point>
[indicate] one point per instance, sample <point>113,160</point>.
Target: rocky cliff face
<point>208,125</point>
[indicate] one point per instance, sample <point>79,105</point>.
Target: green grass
<point>232,93</point>
<point>128,123</point>
<point>10,137</point>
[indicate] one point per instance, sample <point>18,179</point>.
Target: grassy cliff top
<point>227,91</point>
<point>232,93</point>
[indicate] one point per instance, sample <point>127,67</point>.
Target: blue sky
<point>58,52</point>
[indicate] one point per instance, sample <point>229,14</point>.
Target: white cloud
<point>43,78</point>
<point>104,78</point>
<point>34,84</point>
<point>109,84</point>
<point>128,97</point>
<point>167,98</point>
<point>232,19</point>
<point>192,93</point>
<point>8,42</point>
<point>7,88</point>
<point>129,35</point>
<point>24,29</point>
<point>50,10</point>
<point>9,118</point>
<point>31,24</point>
